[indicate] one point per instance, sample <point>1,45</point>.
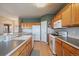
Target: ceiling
<point>28,10</point>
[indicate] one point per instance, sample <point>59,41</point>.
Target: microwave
<point>58,24</point>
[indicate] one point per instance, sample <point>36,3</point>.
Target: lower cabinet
<point>59,51</point>
<point>24,50</point>
<point>70,50</point>
<point>64,49</point>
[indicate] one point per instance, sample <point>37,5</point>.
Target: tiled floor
<point>41,49</point>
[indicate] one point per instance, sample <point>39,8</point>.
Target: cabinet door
<point>59,16</point>
<point>70,50</point>
<point>66,16</point>
<point>67,53</point>
<point>77,13</point>
<point>23,53</point>
<point>59,51</point>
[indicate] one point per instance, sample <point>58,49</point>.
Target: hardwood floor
<point>42,49</point>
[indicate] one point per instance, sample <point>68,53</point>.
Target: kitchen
<point>42,29</point>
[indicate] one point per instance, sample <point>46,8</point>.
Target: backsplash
<point>72,32</point>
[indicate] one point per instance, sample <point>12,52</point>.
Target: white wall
<point>7,20</point>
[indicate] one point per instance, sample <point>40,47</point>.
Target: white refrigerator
<point>36,32</point>
<point>44,31</point>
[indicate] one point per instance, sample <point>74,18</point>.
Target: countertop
<point>71,41</point>
<point>8,45</point>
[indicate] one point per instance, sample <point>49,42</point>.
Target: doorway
<point>6,28</point>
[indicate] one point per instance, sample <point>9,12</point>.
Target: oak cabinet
<point>75,14</point>
<point>66,16</point>
<point>67,53</point>
<point>24,50</point>
<point>59,51</point>
<point>29,25</point>
<point>58,16</point>
<point>64,49</point>
<point>70,15</point>
<point>52,23</point>
<point>70,50</point>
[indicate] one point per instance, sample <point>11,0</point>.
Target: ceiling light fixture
<point>40,4</point>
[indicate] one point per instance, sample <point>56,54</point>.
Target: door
<point>44,31</point>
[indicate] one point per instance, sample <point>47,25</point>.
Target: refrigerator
<point>44,31</point>
<point>36,32</point>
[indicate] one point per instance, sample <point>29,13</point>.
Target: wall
<point>29,20</point>
<point>7,20</point>
<point>72,32</point>
<point>47,17</point>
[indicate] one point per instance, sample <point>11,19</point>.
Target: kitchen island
<point>16,47</point>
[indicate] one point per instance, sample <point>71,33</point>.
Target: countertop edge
<point>68,43</point>
<point>16,48</point>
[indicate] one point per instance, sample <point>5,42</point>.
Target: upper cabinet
<point>69,16</point>
<point>29,25</point>
<point>75,14</point>
<point>56,20</point>
<point>66,16</point>
<point>58,16</point>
